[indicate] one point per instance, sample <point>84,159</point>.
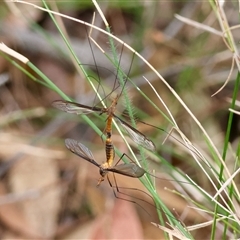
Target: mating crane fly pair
<point>131,169</point>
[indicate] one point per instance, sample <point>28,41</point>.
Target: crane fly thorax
<point>104,166</point>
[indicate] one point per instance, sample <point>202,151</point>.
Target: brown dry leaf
<point>82,231</point>
<point>9,235</point>
<point>96,195</point>
<point>13,218</point>
<point>121,222</point>
<point>10,141</point>
<point>38,173</point>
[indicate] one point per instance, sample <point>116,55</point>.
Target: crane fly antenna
<point>94,59</point>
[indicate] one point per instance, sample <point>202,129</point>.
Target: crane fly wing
<point>80,150</point>
<point>75,108</point>
<point>137,136</point>
<point>128,169</point>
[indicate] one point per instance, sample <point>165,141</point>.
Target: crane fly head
<point>103,172</point>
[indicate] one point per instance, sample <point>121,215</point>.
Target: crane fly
<point>77,108</point>
<point>130,169</point>
<point>126,169</point>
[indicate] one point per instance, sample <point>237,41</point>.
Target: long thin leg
<point>125,199</point>
<point>118,190</point>
<point>132,201</point>
<point>124,154</point>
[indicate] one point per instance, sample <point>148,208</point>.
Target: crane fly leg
<point>125,194</point>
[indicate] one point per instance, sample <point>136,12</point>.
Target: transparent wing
<point>80,150</point>
<point>128,169</point>
<point>137,136</point>
<point>75,108</point>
